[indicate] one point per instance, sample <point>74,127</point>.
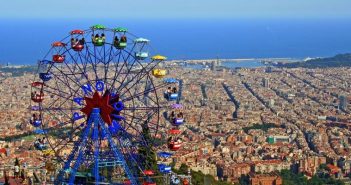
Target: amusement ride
<point>96,105</point>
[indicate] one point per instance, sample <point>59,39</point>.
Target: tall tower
<point>343,102</point>
<point>265,82</point>
<point>214,65</point>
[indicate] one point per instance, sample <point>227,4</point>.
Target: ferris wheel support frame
<point>95,119</point>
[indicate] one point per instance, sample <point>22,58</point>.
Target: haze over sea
<point>24,41</point>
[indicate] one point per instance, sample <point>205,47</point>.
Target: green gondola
<point>98,27</point>
<point>99,42</point>
<point>120,29</point>
<point>121,45</point>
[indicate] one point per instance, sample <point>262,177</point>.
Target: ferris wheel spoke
<point>57,110</point>
<point>84,62</point>
<point>148,114</point>
<point>54,116</point>
<point>107,64</point>
<point>142,108</point>
<point>72,72</point>
<point>154,88</point>
<point>60,92</point>
<point>53,93</point>
<point>82,72</point>
<point>93,63</point>
<point>117,68</point>
<point>138,79</point>
<point>65,100</point>
<point>127,61</point>
<point>68,85</point>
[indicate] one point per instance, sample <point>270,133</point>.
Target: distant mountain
<point>341,60</point>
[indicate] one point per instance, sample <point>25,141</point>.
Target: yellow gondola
<point>48,152</point>
<point>159,73</point>
<point>158,57</point>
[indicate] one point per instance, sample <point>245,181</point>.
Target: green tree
<point>147,154</point>
<point>17,162</point>
<point>244,180</point>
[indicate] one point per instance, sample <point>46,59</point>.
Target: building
<point>236,170</point>
<point>213,65</point>
<point>310,165</point>
<point>265,179</point>
<point>268,166</point>
<point>265,82</point>
<point>278,139</point>
<point>343,102</point>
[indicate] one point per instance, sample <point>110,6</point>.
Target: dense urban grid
<point>244,122</point>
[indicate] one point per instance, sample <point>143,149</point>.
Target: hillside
<point>341,60</point>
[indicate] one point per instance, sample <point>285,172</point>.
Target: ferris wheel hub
<point>101,104</point>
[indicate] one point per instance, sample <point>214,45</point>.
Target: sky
<point>140,9</point>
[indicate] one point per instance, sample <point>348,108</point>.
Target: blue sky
<point>175,9</point>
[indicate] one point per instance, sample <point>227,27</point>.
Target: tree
<point>183,169</point>
<point>244,180</point>
<point>17,162</point>
<point>6,178</point>
<point>147,154</point>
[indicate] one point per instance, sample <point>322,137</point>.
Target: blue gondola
<point>171,96</point>
<point>36,123</point>
<point>164,154</point>
<point>170,80</point>
<point>40,131</point>
<point>40,146</point>
<point>164,168</point>
<point>45,76</point>
<point>35,108</point>
<point>177,121</point>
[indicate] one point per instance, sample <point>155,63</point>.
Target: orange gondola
<point>58,44</point>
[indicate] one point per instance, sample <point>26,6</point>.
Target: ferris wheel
<point>96,98</point>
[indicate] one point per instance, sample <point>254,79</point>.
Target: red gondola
<point>127,182</point>
<point>37,84</point>
<point>149,183</point>
<point>185,182</point>
<point>174,145</point>
<point>148,172</point>
<point>58,58</point>
<point>78,47</point>
<point>37,97</point>
<point>77,32</point>
<point>174,131</point>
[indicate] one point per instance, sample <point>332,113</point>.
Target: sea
<point>25,41</point>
